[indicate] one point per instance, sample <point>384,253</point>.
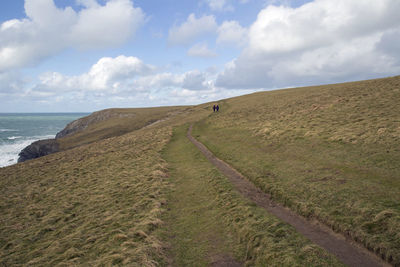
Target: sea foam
<point>9,151</point>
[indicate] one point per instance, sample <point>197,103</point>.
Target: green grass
<point>329,152</point>
<point>208,219</point>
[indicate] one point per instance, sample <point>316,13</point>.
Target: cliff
<point>98,126</point>
<point>82,123</point>
<point>39,149</point>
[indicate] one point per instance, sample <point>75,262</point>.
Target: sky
<point>88,55</point>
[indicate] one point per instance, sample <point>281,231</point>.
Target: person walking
<point>217,108</point>
<point>214,108</point>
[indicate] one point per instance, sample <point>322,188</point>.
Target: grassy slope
<point>118,122</point>
<point>323,151</point>
<point>208,219</point>
<point>329,152</point>
<point>92,205</point>
<point>96,204</point>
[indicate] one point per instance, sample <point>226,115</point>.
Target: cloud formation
<point>48,30</point>
<point>121,76</point>
<point>219,5</point>
<point>222,5</point>
<point>231,32</point>
<point>11,82</point>
<point>112,75</point>
<point>192,29</point>
<point>321,41</point>
<point>201,50</point>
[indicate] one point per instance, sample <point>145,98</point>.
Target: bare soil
<point>344,249</point>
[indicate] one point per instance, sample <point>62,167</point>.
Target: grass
<point>329,152</point>
<point>92,205</point>
<point>130,189</point>
<point>116,122</point>
<point>209,220</point>
<point>99,201</point>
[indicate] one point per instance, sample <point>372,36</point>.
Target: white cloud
<point>11,82</point>
<point>109,25</point>
<point>230,32</point>
<point>321,41</point>
<point>319,23</point>
<point>192,29</point>
<point>223,5</point>
<point>201,50</point>
<point>121,81</point>
<point>108,74</point>
<point>121,76</point>
<point>219,5</point>
<point>194,80</point>
<point>48,30</point>
<point>158,82</point>
<point>389,44</point>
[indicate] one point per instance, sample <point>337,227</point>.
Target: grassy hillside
<point>116,122</point>
<point>210,224</point>
<point>98,203</point>
<point>330,152</point>
<point>129,189</point>
<point>93,205</point>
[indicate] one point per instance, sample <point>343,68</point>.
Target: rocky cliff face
<point>45,147</point>
<point>38,149</point>
<point>82,123</point>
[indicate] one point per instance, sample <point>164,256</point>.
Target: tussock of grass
<point>205,209</point>
<point>329,152</point>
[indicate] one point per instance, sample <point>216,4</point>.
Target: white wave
<point>14,137</point>
<point>9,151</point>
<point>8,130</point>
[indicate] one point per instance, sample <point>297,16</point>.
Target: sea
<point>18,130</point>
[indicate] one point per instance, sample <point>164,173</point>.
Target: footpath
<point>345,250</point>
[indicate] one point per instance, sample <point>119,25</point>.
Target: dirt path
<point>345,250</point>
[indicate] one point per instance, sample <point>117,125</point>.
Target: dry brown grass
<point>115,122</point>
<point>96,204</point>
<point>208,219</point>
<point>329,152</point>
<point>99,201</point>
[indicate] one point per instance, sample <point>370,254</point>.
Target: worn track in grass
<point>345,250</point>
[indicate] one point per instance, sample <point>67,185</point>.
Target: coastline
<point>20,130</point>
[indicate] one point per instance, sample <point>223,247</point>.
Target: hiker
<point>217,108</point>
<point>214,108</point>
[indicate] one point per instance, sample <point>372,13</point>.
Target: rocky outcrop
<point>76,126</point>
<point>38,149</point>
<point>82,123</point>
<point>46,147</point>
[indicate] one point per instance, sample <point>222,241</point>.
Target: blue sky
<point>86,55</point>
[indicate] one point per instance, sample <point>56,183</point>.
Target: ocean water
<point>18,130</point>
